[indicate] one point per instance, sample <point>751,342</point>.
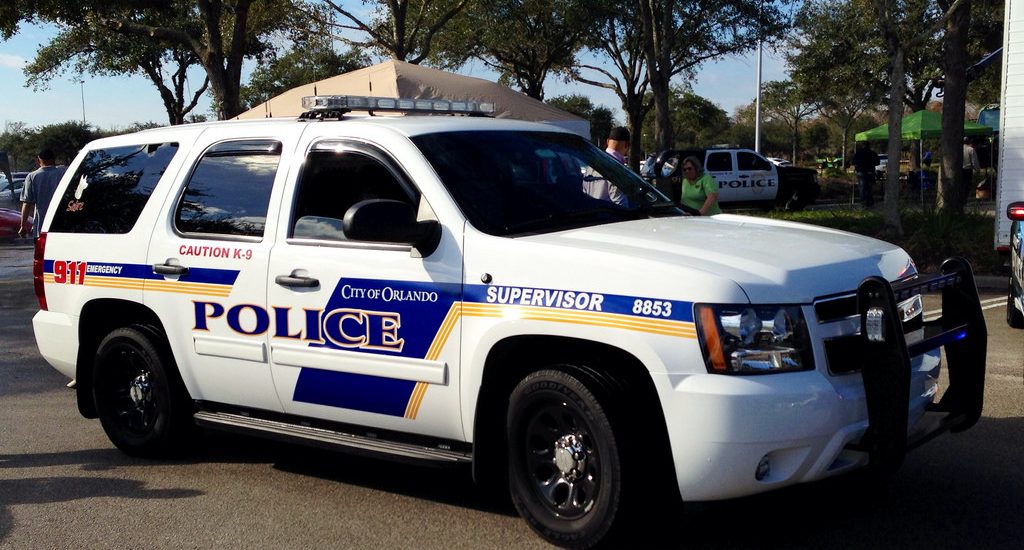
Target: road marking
<point>991,303</point>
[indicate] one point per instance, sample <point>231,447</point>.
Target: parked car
<point>1015,297</point>
<point>779,162</point>
<point>10,221</point>
<point>19,181</point>
<point>745,178</point>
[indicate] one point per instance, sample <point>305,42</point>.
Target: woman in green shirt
<point>700,190</point>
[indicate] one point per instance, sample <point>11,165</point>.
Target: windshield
<point>513,182</point>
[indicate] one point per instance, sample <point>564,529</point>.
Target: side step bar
<point>320,437</point>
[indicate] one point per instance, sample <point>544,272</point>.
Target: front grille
<point>836,308</point>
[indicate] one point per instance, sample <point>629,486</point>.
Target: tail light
<point>37,270</point>
<point>1015,211</point>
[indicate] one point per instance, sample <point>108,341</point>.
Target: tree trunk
<point>796,140</point>
<point>656,30</point>
<point>953,192</point>
<point>897,78</point>
<point>635,119</point>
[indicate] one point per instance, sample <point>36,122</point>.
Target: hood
<point>772,261</point>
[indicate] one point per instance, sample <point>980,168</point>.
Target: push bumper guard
<point>886,361</point>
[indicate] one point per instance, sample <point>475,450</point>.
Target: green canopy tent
<point>919,125</point>
<point>922,124</point>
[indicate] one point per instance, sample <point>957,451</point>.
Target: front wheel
<point>564,459</point>
<point>142,410</point>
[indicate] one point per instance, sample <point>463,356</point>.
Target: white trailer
<point>1010,182</point>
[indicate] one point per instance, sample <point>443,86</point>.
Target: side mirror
<point>1015,211</point>
<point>388,221</point>
<point>668,164</point>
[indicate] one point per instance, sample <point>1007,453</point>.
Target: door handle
<point>297,281</point>
<point>168,268</point>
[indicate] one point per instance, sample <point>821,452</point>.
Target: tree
<point>774,135</point>
<point>617,37</point>
<point>787,102</point>
<point>221,33</point>
<point>901,32</point>
<point>680,35</point>
<point>298,66</point>
<point>96,50</point>
<point>600,117</point>
<point>23,143</point>
<point>835,58</point>
<point>952,191</point>
<point>696,121</point>
<point>403,29</point>
<point>525,41</point>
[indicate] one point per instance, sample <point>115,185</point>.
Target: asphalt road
<point>62,484</point>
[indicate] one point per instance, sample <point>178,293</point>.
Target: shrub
<point>928,236</point>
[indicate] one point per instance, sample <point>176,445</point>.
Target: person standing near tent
<point>970,163</point>
<point>864,162</point>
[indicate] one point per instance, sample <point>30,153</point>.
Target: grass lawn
<point>928,237</point>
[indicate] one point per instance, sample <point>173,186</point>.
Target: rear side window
<point>110,188</point>
<point>719,162</point>
<point>229,190</point>
<point>750,161</point>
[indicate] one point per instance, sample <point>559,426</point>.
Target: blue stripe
<point>354,391</point>
<point>145,271</point>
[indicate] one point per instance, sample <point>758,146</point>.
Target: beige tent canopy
<point>401,79</point>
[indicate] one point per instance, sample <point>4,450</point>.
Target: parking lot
<point>62,483</point>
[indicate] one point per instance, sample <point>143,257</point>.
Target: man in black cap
<point>618,143</point>
<point>38,191</point>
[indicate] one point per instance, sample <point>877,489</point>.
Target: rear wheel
<point>142,409</point>
<point>564,459</point>
<point>1014,317</point>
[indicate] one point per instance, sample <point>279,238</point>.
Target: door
<point>209,266</point>
<point>363,333</point>
<point>759,177</point>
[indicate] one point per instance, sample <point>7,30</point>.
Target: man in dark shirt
<point>864,162</point>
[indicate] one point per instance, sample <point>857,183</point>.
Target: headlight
<point>749,339</point>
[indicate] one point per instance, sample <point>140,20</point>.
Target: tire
<point>565,467</point>
<point>1014,317</point>
<point>142,405</point>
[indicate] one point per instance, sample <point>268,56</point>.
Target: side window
<point>334,181</point>
<point>110,188</point>
<point>750,161</point>
<point>719,162</point>
<point>229,190</point>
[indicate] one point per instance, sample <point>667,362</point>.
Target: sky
<point>117,102</point>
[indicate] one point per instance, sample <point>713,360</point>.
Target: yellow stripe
<point>450,320</point>
<point>415,400</point>
<point>680,329</point>
<point>126,283</point>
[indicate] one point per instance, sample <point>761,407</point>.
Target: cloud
<point>12,61</point>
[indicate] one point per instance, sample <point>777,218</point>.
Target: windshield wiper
<point>663,208</point>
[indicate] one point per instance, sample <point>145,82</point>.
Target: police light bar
<point>397,105</point>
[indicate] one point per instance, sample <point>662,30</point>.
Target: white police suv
<point>447,289</point>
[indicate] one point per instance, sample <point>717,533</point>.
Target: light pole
<point>81,84</point>
<point>757,107</point>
